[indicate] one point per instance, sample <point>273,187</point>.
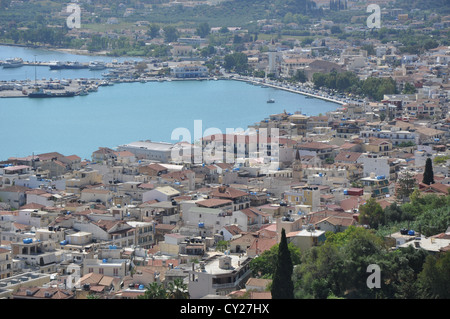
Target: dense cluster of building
<point>131,216</point>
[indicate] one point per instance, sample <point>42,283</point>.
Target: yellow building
<point>6,264</point>
<point>303,195</point>
<point>299,122</point>
<point>378,146</point>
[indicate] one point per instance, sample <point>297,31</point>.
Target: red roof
<point>228,192</point>
<point>214,202</point>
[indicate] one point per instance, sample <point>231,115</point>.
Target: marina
<point>119,113</point>
<point>84,109</point>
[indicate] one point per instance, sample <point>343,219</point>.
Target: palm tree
<point>177,290</point>
<point>154,291</point>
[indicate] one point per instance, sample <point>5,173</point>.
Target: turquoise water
<point>129,112</point>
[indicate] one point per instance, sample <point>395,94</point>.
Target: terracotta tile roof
<point>340,221</point>
<point>96,288</point>
<point>436,187</point>
<point>351,203</point>
<point>347,156</point>
<point>260,295</point>
<point>262,244</point>
<point>315,146</point>
<point>214,202</point>
<point>161,263</point>
<point>227,192</point>
<point>178,175</point>
<point>49,156</point>
<point>258,282</point>
<point>378,141</point>
<point>73,158</point>
<point>124,154</point>
<point>22,226</point>
<point>91,278</point>
<point>233,229</point>
<point>165,227</point>
<point>46,293</point>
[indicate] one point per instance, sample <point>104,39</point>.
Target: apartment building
<point>6,264</point>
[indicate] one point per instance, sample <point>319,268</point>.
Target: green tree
<point>300,76</point>
<point>177,289</point>
<point>170,33</point>
<point>339,265</point>
<point>237,61</point>
<point>203,30</point>
<point>406,184</point>
<point>153,30</point>
<point>265,264</point>
<point>371,213</point>
<point>441,159</point>
<point>400,272</point>
<point>319,79</point>
<point>435,276</point>
<point>335,29</point>
<point>154,291</point>
<point>433,221</point>
<point>428,175</point>
<point>363,248</point>
<point>409,88</point>
<point>223,30</point>
<point>282,285</point>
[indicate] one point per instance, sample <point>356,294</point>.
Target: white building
<point>190,71</point>
<point>373,163</point>
<point>208,221</point>
<point>161,194</point>
<point>396,136</point>
<point>219,275</point>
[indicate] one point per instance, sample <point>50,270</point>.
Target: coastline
<point>281,87</point>
<point>62,50</point>
<point>238,78</point>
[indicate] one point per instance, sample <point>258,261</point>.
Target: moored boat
<point>13,63</point>
<point>97,65</point>
<point>56,65</point>
<point>40,93</point>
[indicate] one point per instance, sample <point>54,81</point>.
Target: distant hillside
<point>234,12</point>
<point>440,6</point>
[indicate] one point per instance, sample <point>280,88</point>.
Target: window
<point>116,272</point>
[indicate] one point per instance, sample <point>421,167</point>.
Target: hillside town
<point>128,217</point>
<point>110,226</point>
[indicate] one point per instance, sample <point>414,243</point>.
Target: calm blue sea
<point>129,112</point>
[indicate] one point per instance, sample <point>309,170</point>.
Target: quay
<point>21,89</point>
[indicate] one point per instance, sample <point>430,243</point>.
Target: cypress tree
<point>282,285</point>
<point>428,175</point>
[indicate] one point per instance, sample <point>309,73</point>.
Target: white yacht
<point>13,63</point>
